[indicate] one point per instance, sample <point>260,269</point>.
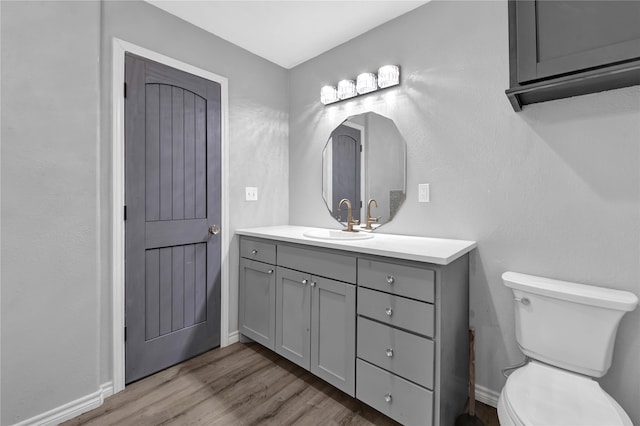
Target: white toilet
<point>567,330</point>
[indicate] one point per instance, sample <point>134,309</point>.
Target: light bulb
<point>388,75</point>
<point>366,82</point>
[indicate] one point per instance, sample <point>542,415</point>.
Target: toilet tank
<point>569,325</point>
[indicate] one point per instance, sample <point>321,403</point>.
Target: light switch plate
<point>251,193</point>
<point>424,195</point>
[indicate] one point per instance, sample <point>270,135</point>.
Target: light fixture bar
<point>366,82</point>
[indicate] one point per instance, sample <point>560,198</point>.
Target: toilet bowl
<point>567,330</point>
<point>538,394</point>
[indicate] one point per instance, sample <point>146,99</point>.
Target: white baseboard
<point>487,396</point>
<point>106,389</point>
<point>234,337</point>
<point>72,409</point>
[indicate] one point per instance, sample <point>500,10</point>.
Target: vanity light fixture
<point>346,89</point>
<point>328,95</point>
<point>366,82</point>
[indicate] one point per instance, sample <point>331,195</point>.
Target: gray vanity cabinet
<point>412,339</point>
<point>333,332</point>
<point>315,325</point>
<point>293,316</point>
<point>391,332</point>
<point>257,297</point>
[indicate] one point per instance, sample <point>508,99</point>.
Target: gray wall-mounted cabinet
<point>567,48</point>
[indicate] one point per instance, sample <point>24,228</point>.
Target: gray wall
<point>258,127</point>
<point>56,181</point>
<point>551,191</point>
<point>50,121</point>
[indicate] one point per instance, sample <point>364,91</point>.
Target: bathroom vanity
<point>384,319</point>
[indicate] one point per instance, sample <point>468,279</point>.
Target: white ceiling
<point>287,32</point>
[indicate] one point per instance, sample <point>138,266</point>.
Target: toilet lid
<point>543,395</point>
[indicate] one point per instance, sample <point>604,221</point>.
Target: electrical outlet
<point>251,193</point>
<point>423,193</point>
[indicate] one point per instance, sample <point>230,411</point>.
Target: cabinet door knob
<point>387,398</point>
<point>254,251</point>
<point>389,352</point>
<point>304,282</point>
<point>214,229</point>
<point>390,279</point>
<point>388,311</point>
<point>313,283</point>
<point>270,271</point>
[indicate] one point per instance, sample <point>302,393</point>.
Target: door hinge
<point>125,334</point>
<point>125,90</point>
<point>360,147</point>
<point>125,212</point>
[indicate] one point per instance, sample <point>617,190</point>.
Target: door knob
<point>214,229</point>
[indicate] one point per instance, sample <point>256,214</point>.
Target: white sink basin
<point>336,234</point>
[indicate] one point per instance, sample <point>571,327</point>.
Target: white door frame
<point>117,196</point>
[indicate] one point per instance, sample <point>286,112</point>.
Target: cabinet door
<point>257,302</point>
<point>293,312</point>
<point>565,36</point>
<point>333,332</point>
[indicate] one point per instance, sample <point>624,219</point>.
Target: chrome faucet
<point>350,221</point>
<point>370,219</point>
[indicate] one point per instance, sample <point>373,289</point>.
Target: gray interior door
<point>172,196</point>
<point>346,170</point>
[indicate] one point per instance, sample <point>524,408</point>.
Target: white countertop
<point>422,249</point>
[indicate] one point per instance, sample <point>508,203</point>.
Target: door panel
<point>293,307</point>
<point>346,170</point>
<point>257,296</point>
<point>333,333</point>
<point>559,37</point>
<point>172,193</point>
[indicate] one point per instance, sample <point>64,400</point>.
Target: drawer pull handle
<point>388,311</point>
<point>387,398</point>
<point>304,282</point>
<point>389,352</point>
<point>254,251</point>
<point>390,279</point>
<point>270,271</point>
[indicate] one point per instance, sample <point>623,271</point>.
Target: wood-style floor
<point>241,384</point>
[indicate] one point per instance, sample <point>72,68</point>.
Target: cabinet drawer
<point>391,309</point>
<point>399,399</point>
<point>338,266</point>
<point>402,353</point>
<point>409,281</point>
<point>258,250</point>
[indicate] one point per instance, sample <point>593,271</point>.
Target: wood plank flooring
<point>241,384</point>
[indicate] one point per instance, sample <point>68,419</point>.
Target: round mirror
<point>363,160</point>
